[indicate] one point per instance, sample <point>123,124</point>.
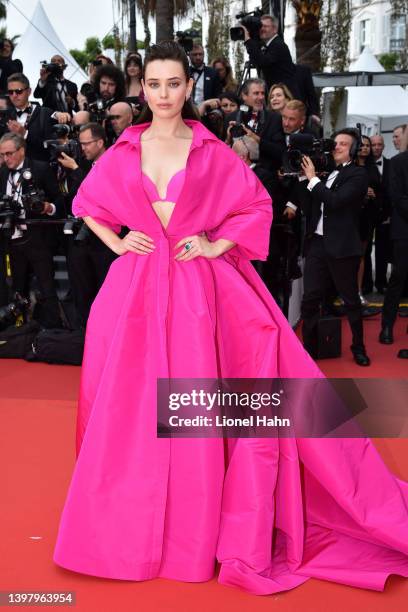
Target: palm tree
<point>308,34</point>
<point>163,10</point>
<point>3,9</point>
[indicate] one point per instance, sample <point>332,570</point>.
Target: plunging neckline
<point>142,173</point>
<point>165,199</point>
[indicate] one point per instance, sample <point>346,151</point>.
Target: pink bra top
<point>174,187</point>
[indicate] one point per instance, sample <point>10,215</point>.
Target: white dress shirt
<point>330,180</point>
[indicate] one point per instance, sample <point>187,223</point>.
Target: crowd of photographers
<point>333,199</point>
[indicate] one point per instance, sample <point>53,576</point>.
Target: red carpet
<point>38,404</point>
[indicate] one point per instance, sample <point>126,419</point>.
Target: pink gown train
<point>273,512</point>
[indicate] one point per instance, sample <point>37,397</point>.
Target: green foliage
<point>93,46</point>
<point>3,10</point>
<point>81,57</point>
<point>389,60</point>
<point>109,42</point>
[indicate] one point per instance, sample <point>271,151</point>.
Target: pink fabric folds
<point>274,512</point>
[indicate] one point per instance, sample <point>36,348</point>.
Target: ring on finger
<point>188,246</point>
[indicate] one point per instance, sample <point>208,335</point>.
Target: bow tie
<point>379,163</point>
<point>196,70</point>
<point>26,110</point>
<point>339,167</point>
<point>14,171</point>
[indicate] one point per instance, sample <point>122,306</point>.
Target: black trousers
<point>382,254</point>
<point>396,283</point>
<point>88,263</point>
<point>31,253</point>
<point>320,272</point>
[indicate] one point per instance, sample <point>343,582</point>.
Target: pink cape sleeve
<point>248,210</point>
<point>97,196</point>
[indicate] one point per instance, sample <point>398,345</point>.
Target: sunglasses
<point>16,91</point>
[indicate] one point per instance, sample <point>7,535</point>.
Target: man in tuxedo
<point>89,259</point>
<point>271,56</point>
<point>55,91</point>
<point>28,245</point>
<point>207,83</point>
<point>399,238</point>
<point>34,123</point>
<point>382,228</point>
<point>332,246</point>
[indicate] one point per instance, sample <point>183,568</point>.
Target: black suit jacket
<point>212,84</point>
<point>306,89</point>
<point>48,94</point>
<point>399,196</point>
<point>40,128</point>
<point>275,64</point>
<point>45,180</point>
<point>341,211</point>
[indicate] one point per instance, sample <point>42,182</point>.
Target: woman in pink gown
<point>273,512</point>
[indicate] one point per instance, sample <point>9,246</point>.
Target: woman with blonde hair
<point>279,95</point>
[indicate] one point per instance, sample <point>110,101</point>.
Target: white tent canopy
<point>40,42</point>
<point>387,100</point>
<point>378,108</point>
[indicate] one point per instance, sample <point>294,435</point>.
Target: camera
<point>251,21</point>
<point>185,39</point>
<point>72,148</point>
<point>96,106</point>
<point>243,117</point>
<point>9,212</point>
<point>318,149</point>
<point>12,311</point>
<point>53,68</point>
<point>77,228</point>
<point>33,200</point>
<point>5,115</point>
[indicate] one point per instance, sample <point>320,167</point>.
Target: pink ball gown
<point>272,512</point>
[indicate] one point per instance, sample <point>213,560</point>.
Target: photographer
<point>7,65</point>
<point>34,123</point>
<point>207,83</point>
<point>332,245</point>
<point>56,92</point>
<point>120,116</point>
<point>88,258</point>
<point>270,55</point>
<point>109,84</point>
<point>249,123</point>
<point>32,186</point>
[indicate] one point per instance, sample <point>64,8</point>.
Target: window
<point>364,37</point>
<point>397,32</point>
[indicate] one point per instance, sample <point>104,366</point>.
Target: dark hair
<point>132,57</point>
<point>229,95</point>
<point>114,73</point>
<point>11,44</point>
<point>168,50</point>
<point>96,129</point>
<point>355,134</point>
<point>101,56</point>
<point>20,77</point>
<point>370,157</point>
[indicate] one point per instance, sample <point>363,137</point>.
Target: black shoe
<point>403,354</point>
<point>361,358</point>
<point>386,336</point>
